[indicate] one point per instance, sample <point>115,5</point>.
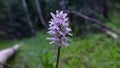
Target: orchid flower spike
<point>59,29</point>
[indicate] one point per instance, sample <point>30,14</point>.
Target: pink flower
<point>58,29</point>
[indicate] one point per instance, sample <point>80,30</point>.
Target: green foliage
<point>94,51</point>
<point>46,59</point>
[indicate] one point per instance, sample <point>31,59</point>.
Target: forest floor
<point>92,51</point>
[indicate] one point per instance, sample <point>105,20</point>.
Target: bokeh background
<point>95,27</point>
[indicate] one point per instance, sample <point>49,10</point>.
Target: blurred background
<point>95,27</point>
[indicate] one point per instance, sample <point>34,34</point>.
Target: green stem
<point>58,55</point>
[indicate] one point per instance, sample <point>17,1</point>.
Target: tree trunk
<point>28,17</point>
<point>38,7</point>
<point>105,10</point>
<point>7,53</point>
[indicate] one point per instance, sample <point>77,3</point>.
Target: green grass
<point>32,53</point>
<point>93,51</point>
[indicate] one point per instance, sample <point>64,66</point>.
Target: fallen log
<point>7,53</point>
<point>92,20</point>
<point>109,31</point>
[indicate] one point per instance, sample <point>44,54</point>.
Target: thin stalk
<point>58,55</point>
